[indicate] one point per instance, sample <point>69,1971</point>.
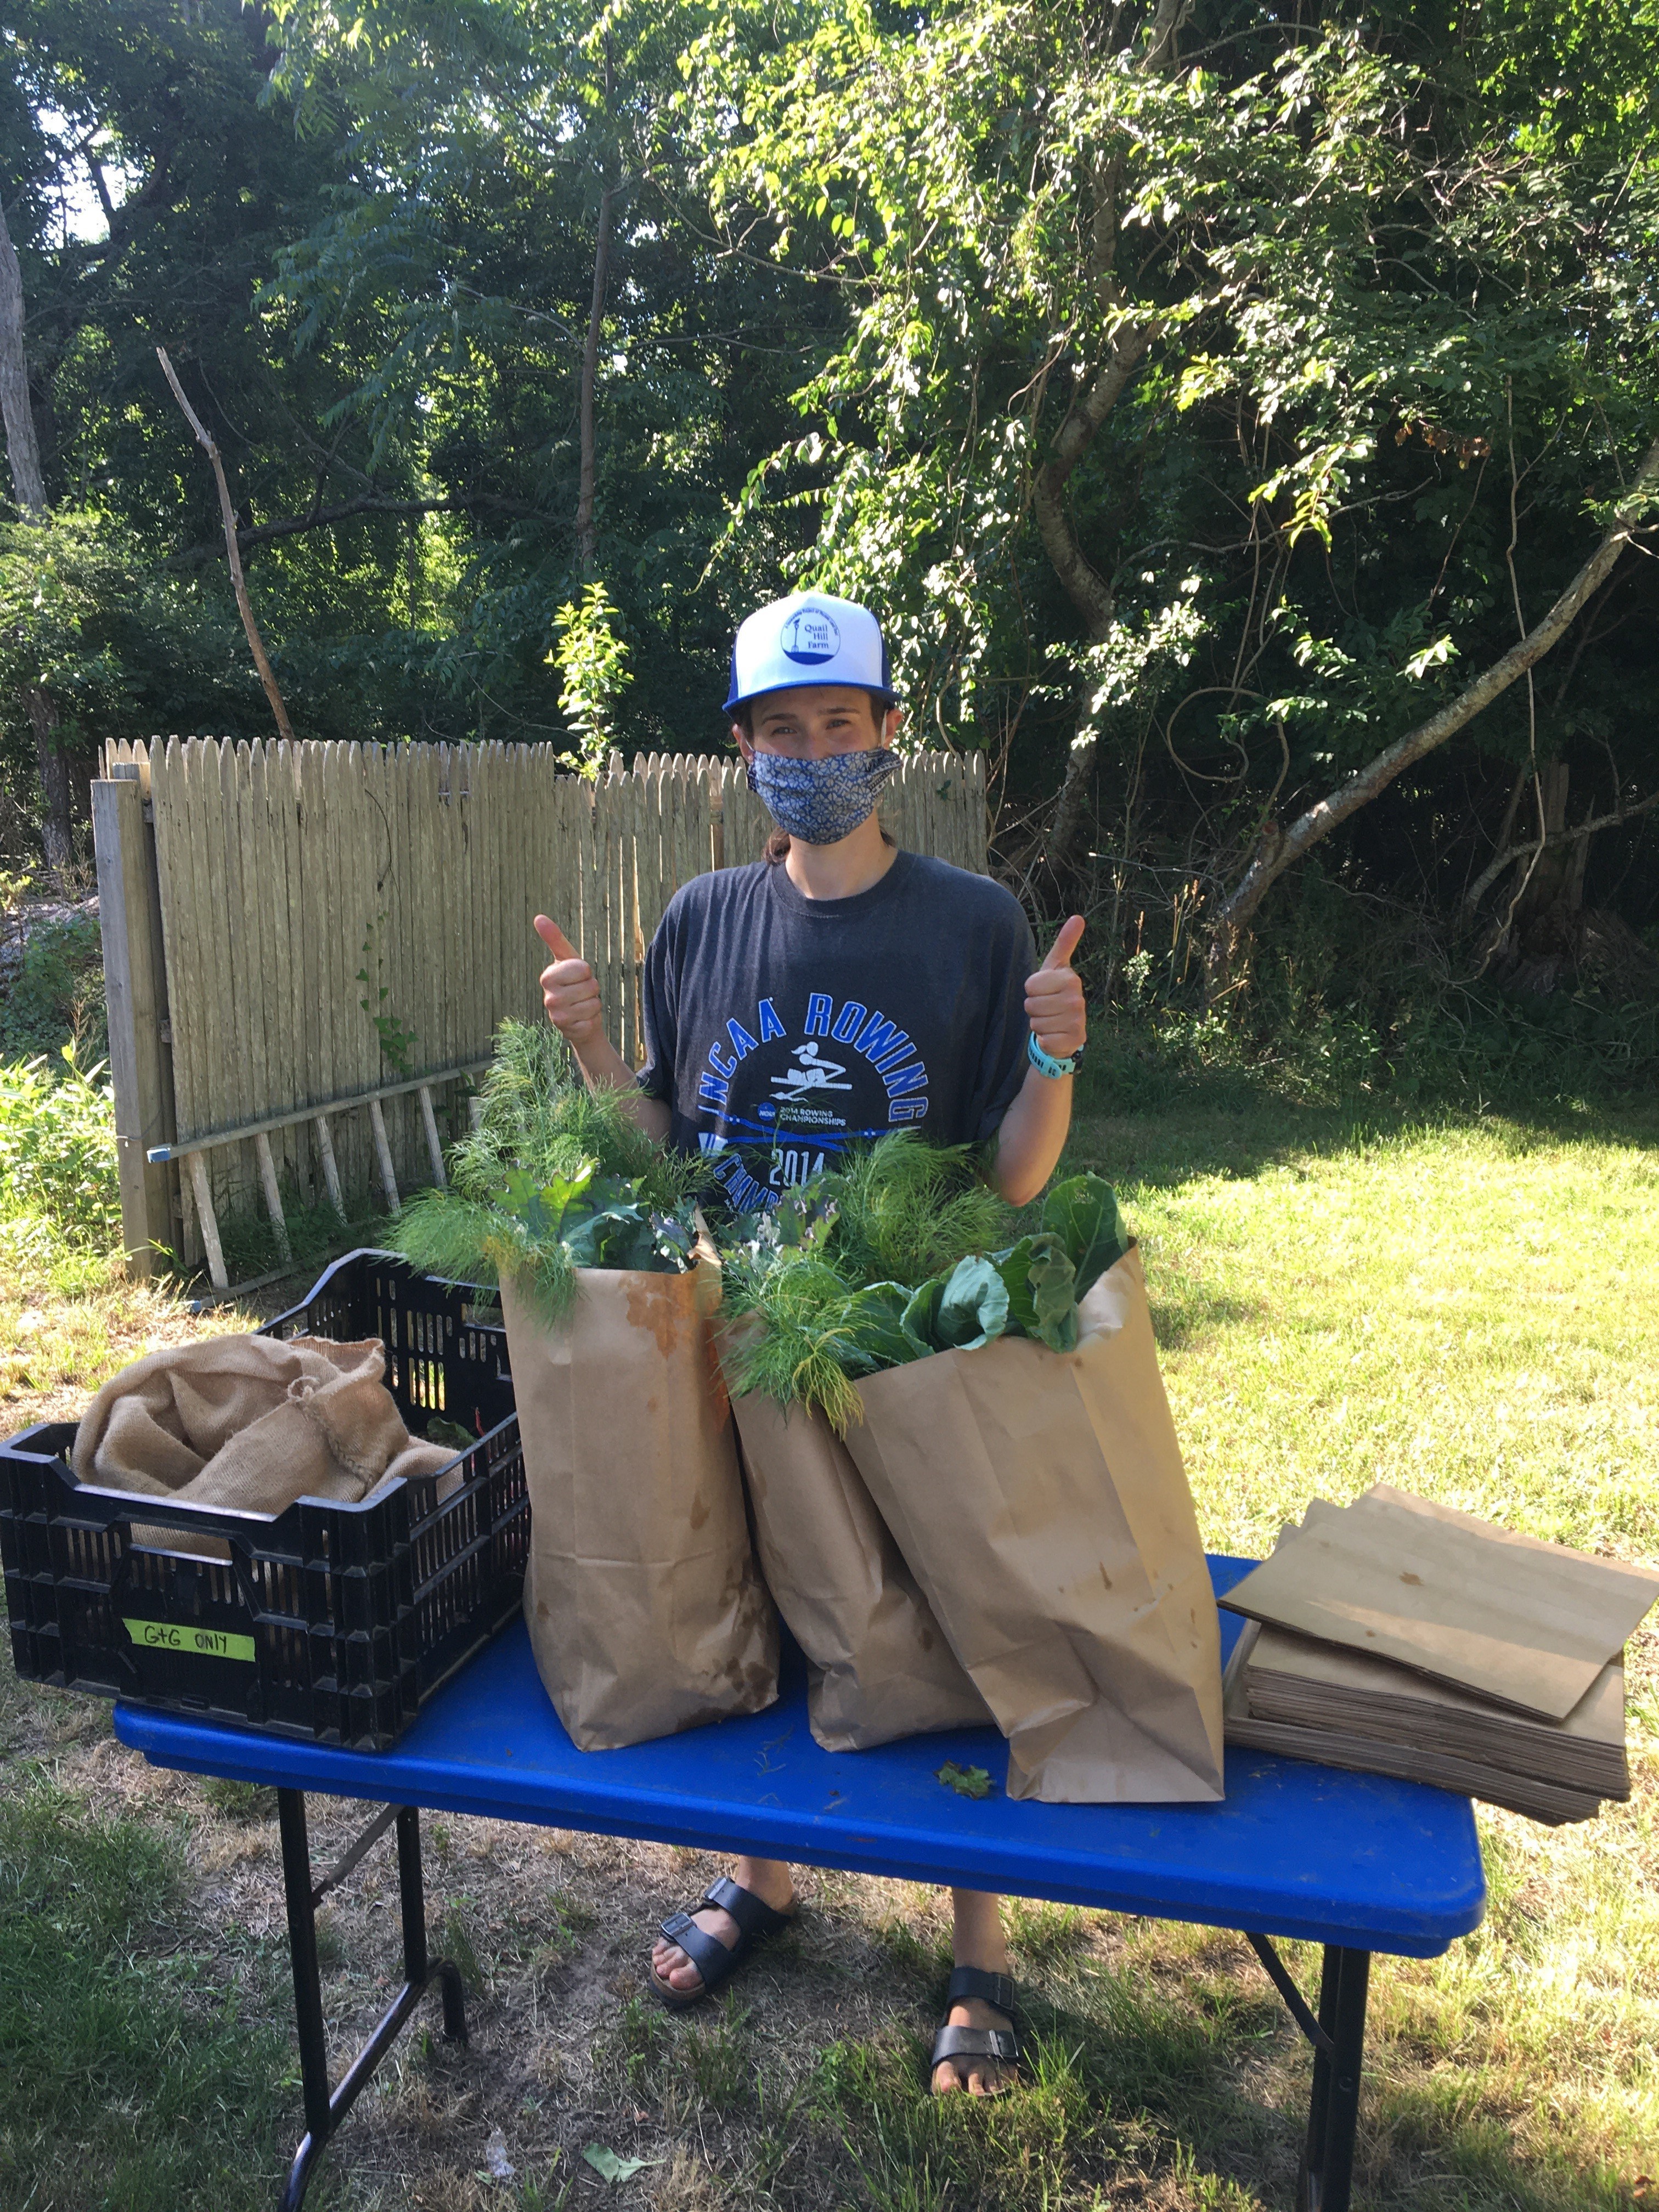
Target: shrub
<point>58,1150</point>
<point>57,994</point>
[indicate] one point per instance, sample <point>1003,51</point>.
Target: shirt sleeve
<point>660,1003</point>
<point>1003,1062</point>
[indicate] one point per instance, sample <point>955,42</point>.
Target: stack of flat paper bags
<point>1397,1637</point>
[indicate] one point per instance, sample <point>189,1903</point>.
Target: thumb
<point>1059,953</point>
<point>554,940</point>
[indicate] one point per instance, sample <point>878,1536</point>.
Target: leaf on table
<point>966,1781</point>
<point>609,2167</point>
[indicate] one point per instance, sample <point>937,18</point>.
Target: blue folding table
<point>1357,1863</point>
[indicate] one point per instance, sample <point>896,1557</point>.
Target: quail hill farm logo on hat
<point>810,638</point>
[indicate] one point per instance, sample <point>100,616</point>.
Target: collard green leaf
<point>1038,1278</point>
<point>875,1338</point>
<point>542,1206</point>
<point>973,1308</point>
<point>620,1236</point>
<point>1083,1211</point>
<point>919,1320</point>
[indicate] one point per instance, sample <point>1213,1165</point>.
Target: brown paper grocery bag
<point>878,1666</point>
<point>1040,1499</point>
<point>645,1610</point>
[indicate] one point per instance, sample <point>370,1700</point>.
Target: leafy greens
<point>823,1296</point>
<point>554,1178</point>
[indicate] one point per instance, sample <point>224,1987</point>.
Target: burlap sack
<point>879,1666</point>
<point>1040,1499</point>
<point>250,1423</point>
<point>646,1613</point>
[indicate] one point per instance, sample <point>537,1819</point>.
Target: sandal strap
<point>997,1990</point>
<point>998,2043</point>
<point>715,1961</point>
<point>753,1915</point>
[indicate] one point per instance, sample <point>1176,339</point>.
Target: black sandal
<point>998,2043</point>
<point>716,1961</point>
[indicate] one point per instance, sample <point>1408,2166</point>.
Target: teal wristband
<point>1046,1064</point>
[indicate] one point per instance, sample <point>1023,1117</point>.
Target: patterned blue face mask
<point>821,801</point>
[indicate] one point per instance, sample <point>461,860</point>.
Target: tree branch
<point>255,643</point>
<point>1484,882</point>
<point>321,518</point>
<point>1280,848</point>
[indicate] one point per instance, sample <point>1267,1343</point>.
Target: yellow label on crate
<point>210,1643</point>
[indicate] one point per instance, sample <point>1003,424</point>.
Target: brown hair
<point>777,845</point>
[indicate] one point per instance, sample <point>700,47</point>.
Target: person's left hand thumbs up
<point>1054,996</point>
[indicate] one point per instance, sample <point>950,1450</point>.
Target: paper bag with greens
<point>878,1665</point>
<point>645,1610</point>
<point>1007,1416</point>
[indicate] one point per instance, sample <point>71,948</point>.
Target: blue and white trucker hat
<point>809,638</point>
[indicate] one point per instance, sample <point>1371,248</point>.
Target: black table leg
<point>1326,2178</point>
<point>323,2113</point>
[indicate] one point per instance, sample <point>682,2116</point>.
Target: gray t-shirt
<point>779,1029</point>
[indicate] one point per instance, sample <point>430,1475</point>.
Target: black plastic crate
<point>331,1622</point>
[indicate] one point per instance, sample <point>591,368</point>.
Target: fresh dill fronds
<point>549,1162</point>
<point>906,1210</point>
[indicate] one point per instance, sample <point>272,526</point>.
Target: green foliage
<point>555,1178</point>
<point>966,1781</point>
<point>903,1209</point>
<point>130,2077</point>
<point>593,662</point>
<point>1348,996</point>
<point>1173,407</point>
<point>57,1151</point>
<point>395,1040</point>
<point>807,1322</point>
<point>1198,383</point>
<point>55,996</point>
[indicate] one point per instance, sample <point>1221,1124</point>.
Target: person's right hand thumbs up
<point>568,989</point>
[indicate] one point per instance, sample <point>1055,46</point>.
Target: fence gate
<point>307,948</point>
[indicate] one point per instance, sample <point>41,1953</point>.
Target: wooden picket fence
<point>308,947</point>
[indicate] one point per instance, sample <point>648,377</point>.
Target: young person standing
<point>836,990</point>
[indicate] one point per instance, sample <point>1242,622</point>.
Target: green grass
<point>1468,1307</point>
<point>131,2079</point>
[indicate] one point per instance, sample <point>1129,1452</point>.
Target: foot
<point>766,1879</point>
<point>980,2077</point>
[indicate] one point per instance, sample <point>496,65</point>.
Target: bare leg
<point>767,1879</point>
<point>977,1940</point>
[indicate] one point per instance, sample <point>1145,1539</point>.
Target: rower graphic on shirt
<point>815,1074</point>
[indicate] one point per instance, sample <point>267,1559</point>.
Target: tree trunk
<point>28,489</point>
<point>56,836</point>
<point>22,448</point>
<point>587,537</point>
<point>1278,849</point>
